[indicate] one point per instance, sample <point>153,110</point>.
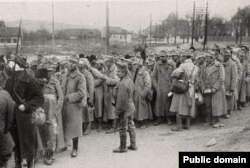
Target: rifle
<point>16,54</point>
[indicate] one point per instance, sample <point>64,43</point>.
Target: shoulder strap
<point>136,72</point>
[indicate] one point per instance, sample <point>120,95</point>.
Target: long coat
<point>142,90</point>
<point>231,79</point>
<point>109,85</point>
<point>239,72</point>
<point>213,77</point>
<point>184,104</point>
<point>243,82</point>
<point>161,78</point>
<point>29,93</point>
<point>74,89</point>
<point>7,105</point>
<point>87,116</point>
<point>53,96</point>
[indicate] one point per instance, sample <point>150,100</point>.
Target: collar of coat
<point>228,63</point>
<point>74,74</point>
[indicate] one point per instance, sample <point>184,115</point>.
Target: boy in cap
<point>125,109</point>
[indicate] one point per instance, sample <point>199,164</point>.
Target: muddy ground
<point>158,146</point>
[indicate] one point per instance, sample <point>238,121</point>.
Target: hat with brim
<point>21,62</point>
<point>163,53</point>
<point>209,54</point>
<point>200,55</point>
<point>74,58</point>
<point>225,51</point>
<point>108,58</point>
<point>186,54</point>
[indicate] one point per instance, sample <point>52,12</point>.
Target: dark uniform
<point>6,113</point>
<point>29,93</point>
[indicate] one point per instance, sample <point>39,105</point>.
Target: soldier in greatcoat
<point>7,105</point>
<point>142,95</point>
<point>231,78</point>
<point>213,90</point>
<point>161,78</point>
<point>243,80</point>
<point>75,99</point>
<point>183,104</point>
<point>28,96</point>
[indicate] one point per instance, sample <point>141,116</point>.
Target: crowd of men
<point>81,93</point>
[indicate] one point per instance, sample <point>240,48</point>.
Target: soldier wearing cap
<point>231,78</point>
<point>142,96</point>
<point>75,98</point>
<point>213,90</point>
<point>87,111</point>
<point>53,101</point>
<point>109,84</point>
<point>161,79</point>
<point>183,104</point>
<point>243,80</point>
<point>125,109</point>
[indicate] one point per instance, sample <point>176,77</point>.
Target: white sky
<point>124,13</point>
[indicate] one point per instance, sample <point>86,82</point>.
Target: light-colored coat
<point>161,78</point>
<point>142,90</point>
<point>184,104</point>
<point>109,84</point>
<point>75,89</point>
<point>213,77</point>
<point>231,79</point>
<point>243,82</point>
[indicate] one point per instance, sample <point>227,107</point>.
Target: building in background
<point>9,35</point>
<point>117,34</point>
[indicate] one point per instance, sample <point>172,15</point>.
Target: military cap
<point>81,56</point>
<point>215,47</point>
<point>225,51</point>
<point>209,54</point>
<point>100,61</point>
<point>244,47</point>
<point>122,66</point>
<point>63,62</point>
<point>34,63</point>
<point>108,58</point>
<point>200,55</point>
<point>186,53</point>
<point>163,53</point>
<point>74,58</point>
<point>21,62</point>
<point>92,57</point>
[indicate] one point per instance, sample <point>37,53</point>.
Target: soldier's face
<point>73,65</point>
<point>226,57</point>
<point>163,58</point>
<point>209,60</point>
<point>120,73</point>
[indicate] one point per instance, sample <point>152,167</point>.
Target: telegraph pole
<point>192,41</point>
<point>205,31</point>
<point>150,28</point>
<point>176,22</point>
<point>53,27</point>
<point>107,27</point>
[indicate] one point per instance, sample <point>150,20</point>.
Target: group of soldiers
<point>111,92</point>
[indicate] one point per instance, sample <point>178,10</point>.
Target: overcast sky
<point>126,14</point>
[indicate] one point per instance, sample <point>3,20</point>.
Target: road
<point>158,146</point>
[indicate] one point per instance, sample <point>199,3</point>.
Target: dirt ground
<point>158,146</point>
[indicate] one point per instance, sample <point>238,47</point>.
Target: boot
<point>187,125</point>
<point>178,124</point>
<point>112,129</point>
<point>132,136</point>
<point>31,163</point>
<point>88,129</point>
<point>18,162</point>
<point>239,107</point>
<point>99,125</point>
<point>158,121</point>
<point>169,121</point>
<point>123,144</point>
<point>48,160</point>
<point>75,148</point>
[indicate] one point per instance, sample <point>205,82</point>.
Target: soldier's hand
<point>21,107</point>
<point>66,99</point>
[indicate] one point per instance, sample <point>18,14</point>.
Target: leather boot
<point>112,129</point>
<point>31,163</point>
<point>158,121</point>
<point>178,124</point>
<point>18,162</point>
<point>88,129</point>
<point>132,136</point>
<point>187,125</point>
<point>123,144</point>
<point>75,148</point>
<point>48,160</point>
<point>99,125</point>
<point>239,107</point>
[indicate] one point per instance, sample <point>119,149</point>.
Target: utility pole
<point>150,29</point>
<point>192,41</point>
<point>156,33</point>
<point>53,27</point>
<point>205,31</point>
<point>107,27</point>
<point>176,22</point>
